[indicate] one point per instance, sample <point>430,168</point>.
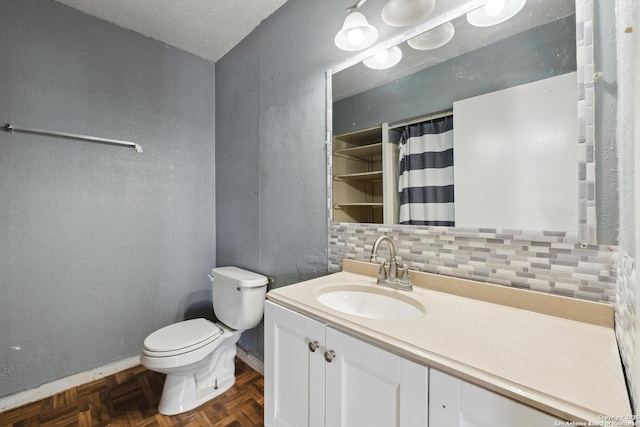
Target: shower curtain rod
<point>421,119</point>
<point>12,129</point>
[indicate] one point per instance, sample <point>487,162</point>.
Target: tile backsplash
<point>550,262</point>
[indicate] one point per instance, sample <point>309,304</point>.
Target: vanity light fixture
<point>384,59</point>
<point>400,13</point>
<point>434,38</point>
<point>494,12</point>
<point>356,32</point>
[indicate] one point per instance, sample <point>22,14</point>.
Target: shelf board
<point>362,176</point>
<point>361,137</point>
<point>365,205</point>
<point>359,152</point>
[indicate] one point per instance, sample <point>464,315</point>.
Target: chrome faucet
<point>390,280</point>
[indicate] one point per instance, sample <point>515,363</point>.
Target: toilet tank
<point>238,296</point>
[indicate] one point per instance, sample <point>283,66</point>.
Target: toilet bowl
<point>198,355</point>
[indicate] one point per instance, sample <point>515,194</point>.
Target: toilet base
<point>182,393</point>
<point>178,394</point>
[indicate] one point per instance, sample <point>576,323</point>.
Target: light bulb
<point>494,7</point>
<point>356,36</point>
<point>382,56</point>
<point>495,12</point>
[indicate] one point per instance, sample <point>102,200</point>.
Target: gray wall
<point>539,53</point>
<point>99,246</point>
<point>270,146</point>
<point>607,151</point>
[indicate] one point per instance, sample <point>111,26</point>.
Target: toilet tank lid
<point>239,277</point>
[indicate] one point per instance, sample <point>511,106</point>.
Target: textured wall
<point>624,132</point>
<point>628,105</point>
<point>606,148</point>
<point>270,147</point>
<point>99,245</point>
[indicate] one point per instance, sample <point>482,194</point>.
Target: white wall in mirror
<point>516,163</point>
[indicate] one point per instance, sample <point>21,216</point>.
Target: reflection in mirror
<point>480,131</point>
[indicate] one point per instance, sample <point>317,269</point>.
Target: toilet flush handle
<point>238,288</point>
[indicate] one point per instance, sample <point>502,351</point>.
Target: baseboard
<point>58,386</point>
<point>251,360</point>
<point>49,389</point>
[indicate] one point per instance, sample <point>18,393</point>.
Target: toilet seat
<point>181,337</point>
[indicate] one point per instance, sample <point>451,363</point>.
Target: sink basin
<point>372,305</point>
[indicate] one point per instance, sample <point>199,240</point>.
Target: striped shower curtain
<point>426,173</point>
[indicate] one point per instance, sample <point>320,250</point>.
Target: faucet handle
<point>382,273</point>
<point>405,274</point>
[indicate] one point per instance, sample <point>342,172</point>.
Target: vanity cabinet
<point>316,375</point>
<point>457,403</point>
<point>293,369</point>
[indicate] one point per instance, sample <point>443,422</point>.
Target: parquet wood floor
<point>130,398</point>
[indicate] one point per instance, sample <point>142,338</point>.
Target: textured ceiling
<point>207,28</point>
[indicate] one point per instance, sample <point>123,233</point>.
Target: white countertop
<point>568,368</point>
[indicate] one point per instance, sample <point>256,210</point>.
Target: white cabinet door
<point>457,403</point>
<point>294,375</point>
<point>367,386</point>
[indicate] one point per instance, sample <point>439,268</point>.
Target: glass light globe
<point>495,12</point>
<point>356,32</point>
<point>494,7</point>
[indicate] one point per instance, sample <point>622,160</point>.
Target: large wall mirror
<point>476,126</point>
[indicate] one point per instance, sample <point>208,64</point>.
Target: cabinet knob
<point>329,355</point>
<point>313,346</point>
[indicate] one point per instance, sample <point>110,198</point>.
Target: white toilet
<point>198,355</point>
